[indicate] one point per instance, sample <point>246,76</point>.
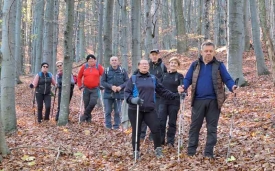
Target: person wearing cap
<point>42,84</point>
<point>158,69</point>
<point>59,67</point>
<point>88,80</point>
<point>113,80</point>
<point>170,108</point>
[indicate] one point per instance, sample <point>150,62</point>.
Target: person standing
<point>140,90</point>
<point>158,69</point>
<point>207,76</point>
<point>59,66</point>
<point>88,80</point>
<point>170,108</point>
<point>42,84</point>
<point>113,80</point>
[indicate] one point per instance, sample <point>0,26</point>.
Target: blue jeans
<point>109,104</point>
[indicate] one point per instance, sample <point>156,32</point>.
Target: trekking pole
<point>136,152</point>
<point>54,101</point>
<point>181,124</point>
<point>80,107</point>
<point>33,105</point>
<point>231,123</point>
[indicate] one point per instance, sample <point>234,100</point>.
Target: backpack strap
<point>40,74</point>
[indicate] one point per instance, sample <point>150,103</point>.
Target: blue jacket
<point>146,89</point>
<point>205,87</point>
<point>116,77</point>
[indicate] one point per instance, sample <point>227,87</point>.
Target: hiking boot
<point>137,153</point>
<point>158,152</point>
<point>82,118</point>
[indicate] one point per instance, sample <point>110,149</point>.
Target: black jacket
<point>158,68</point>
<point>146,89</point>
<point>116,77</point>
<point>44,83</point>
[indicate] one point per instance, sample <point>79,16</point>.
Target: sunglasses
<point>59,65</point>
<point>46,66</point>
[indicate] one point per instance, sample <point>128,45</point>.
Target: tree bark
<point>155,26</point>
<point>166,29</point>
<point>100,31</point>
<point>148,28</point>
<point>136,35</point>
<point>235,46</point>
<point>8,113</point>
<point>124,35</point>
<point>107,38</point>
<point>265,28</point>
<point>4,149</point>
<point>246,26</point>
<point>67,68</point>
<point>18,53</point>
<point>55,32</point>
<point>115,30</point>
<point>181,33</point>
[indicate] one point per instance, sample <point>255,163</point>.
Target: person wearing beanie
<point>170,108</point>
<point>88,80</point>
<point>59,67</point>
<point>42,84</point>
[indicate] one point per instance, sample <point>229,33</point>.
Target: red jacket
<point>90,75</point>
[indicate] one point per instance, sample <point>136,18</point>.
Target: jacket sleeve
<point>104,82</point>
<point>226,78</point>
<point>125,79</point>
<point>101,70</point>
<point>128,91</point>
<point>79,76</point>
<point>35,81</point>
<point>187,81</point>
<point>163,92</point>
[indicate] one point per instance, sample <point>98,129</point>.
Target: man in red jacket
<point>89,79</point>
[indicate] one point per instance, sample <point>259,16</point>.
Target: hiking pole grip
<point>236,83</point>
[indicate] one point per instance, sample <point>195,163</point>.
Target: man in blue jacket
<point>113,80</point>
<point>207,76</point>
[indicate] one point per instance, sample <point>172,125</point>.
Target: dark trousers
<point>59,100</point>
<point>150,118</point>
<point>171,111</point>
<point>144,126</point>
<point>90,97</point>
<point>201,109</point>
<point>40,98</point>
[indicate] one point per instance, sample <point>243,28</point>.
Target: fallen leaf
<point>27,158</point>
<point>31,163</point>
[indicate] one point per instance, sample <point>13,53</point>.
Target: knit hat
<point>175,59</point>
<point>90,56</point>
<point>57,62</point>
<point>43,63</point>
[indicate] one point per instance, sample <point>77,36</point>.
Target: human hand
<point>114,88</point>
<point>118,88</point>
<point>31,85</point>
<point>180,89</point>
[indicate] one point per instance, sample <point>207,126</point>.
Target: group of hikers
<point>153,94</point>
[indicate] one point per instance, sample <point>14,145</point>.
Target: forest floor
<point>92,147</point>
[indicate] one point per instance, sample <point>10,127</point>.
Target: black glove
<point>182,95</point>
<point>31,85</point>
<point>101,87</point>
<point>137,101</point>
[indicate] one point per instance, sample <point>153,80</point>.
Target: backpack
<point>135,89</point>
<point>40,74</point>
<point>87,66</point>
<point>107,70</point>
<point>75,79</point>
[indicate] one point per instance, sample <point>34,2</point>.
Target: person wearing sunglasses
<point>42,84</point>
<point>59,67</point>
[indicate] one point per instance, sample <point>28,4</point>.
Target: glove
<point>101,87</point>
<point>182,95</point>
<point>137,101</point>
<point>80,88</point>
<point>31,85</point>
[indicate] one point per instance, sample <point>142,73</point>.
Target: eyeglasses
<point>59,65</point>
<point>46,66</point>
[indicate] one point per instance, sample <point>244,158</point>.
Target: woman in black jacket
<point>140,90</point>
<point>171,81</point>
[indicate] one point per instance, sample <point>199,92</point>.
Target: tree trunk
<point>8,115</point>
<point>136,35</point>
<point>235,27</point>
<point>68,60</point>
<point>48,35</point>
<point>166,33</point>
<point>4,149</point>
<point>173,24</point>
<point>39,8</point>
<point>18,53</point>
<point>265,28</point>
<point>124,35</point>
<point>181,34</point>
<point>148,28</point>
<point>115,30</point>
<point>217,23</point>
<point>100,30</point>
<point>260,62</point>
<point>206,17</point>
<point>246,26</point>
<point>155,17</point>
<point>55,32</point>
<point>82,47</point>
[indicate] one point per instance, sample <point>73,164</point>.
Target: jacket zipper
<point>45,84</point>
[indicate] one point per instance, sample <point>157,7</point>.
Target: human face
<point>91,62</point>
<point>143,66</point>
<point>173,65</point>
<point>207,53</point>
<point>45,68</point>
<point>154,57</point>
<point>59,66</point>
<point>114,62</point>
